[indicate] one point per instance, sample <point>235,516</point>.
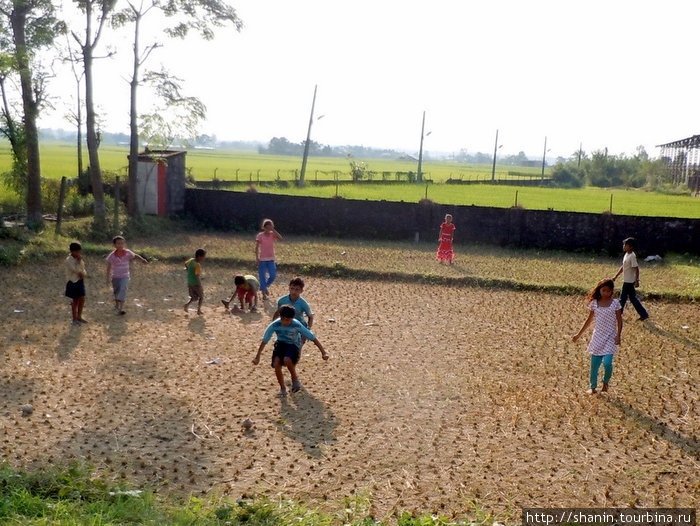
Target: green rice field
<point>59,159</point>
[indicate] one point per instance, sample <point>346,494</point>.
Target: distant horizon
<point>551,159</point>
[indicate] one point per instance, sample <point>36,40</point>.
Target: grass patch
<point>76,494</point>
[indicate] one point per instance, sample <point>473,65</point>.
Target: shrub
<point>568,175</point>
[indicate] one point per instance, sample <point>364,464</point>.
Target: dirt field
<point>433,398</point>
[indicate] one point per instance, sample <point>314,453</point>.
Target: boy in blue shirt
<point>301,306</point>
<point>287,348</point>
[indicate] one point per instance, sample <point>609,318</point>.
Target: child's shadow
<point>308,421</point>
<point>116,325</point>
<point>68,342</point>
<point>197,325</point>
<point>247,317</point>
<point>651,326</point>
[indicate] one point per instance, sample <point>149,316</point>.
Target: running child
<point>193,266</point>
<point>301,306</point>
<point>286,350</point>
<point>265,255</point>
<point>630,278</point>
<point>607,313</point>
<point>445,253</point>
<point>247,287</point>
<point>75,286</point>
<point>119,271</point>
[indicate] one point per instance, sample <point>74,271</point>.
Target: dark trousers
<point>628,291</point>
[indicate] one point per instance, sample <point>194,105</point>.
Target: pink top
<point>266,251</point>
<point>121,264</point>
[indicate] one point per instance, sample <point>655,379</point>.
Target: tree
<point>198,15</point>
<point>33,26</point>
<point>95,11</point>
<point>16,178</point>
<point>76,116</point>
<point>178,117</point>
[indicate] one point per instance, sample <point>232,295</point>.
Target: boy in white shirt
<point>630,278</point>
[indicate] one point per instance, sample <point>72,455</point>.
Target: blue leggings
<point>267,272</point>
<point>607,362</point>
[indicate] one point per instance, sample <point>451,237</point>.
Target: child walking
<point>193,267</point>
<point>265,255</point>
<point>119,271</point>
<point>607,313</point>
<point>287,351</point>
<point>247,287</point>
<point>630,278</point>
<point>445,253</point>
<point>75,286</point>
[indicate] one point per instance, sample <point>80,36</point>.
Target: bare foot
<point>591,391</point>
<point>605,387</point>
<point>200,312</point>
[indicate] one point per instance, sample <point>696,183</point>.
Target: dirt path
<point>433,397</point>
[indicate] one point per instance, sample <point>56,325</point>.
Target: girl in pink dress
<point>445,252</point>
<point>607,313</point>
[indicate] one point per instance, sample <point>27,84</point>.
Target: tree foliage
<point>177,118</point>
<point>26,27</point>
<point>604,170</point>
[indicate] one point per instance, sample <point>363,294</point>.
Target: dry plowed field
<point>434,397</point>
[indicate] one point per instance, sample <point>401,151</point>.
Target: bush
<point>568,175</point>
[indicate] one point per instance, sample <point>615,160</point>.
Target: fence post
<point>611,198</point>
<point>116,206</point>
<point>516,198</point>
<point>59,212</point>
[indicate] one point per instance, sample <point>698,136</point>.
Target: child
<point>607,313</point>
<point>194,283</point>
<point>286,349</point>
<point>265,255</point>
<point>247,291</point>
<point>301,307</point>
<point>630,278</point>
<point>447,232</point>
<point>75,286</point>
<point>119,271</point>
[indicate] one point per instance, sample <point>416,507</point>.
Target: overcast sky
<point>615,74</point>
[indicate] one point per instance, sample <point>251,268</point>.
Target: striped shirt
<point>121,264</point>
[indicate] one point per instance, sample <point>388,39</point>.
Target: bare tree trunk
<point>79,120</point>
<point>31,110</point>
<point>133,127</point>
<point>90,131</point>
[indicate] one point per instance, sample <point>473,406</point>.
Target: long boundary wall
<point>403,221</point>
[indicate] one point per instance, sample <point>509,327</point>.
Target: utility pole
<point>580,151</point>
<point>495,151</point>
<point>544,156</point>
<point>419,177</point>
<point>308,141</point>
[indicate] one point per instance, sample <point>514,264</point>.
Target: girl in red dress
<point>445,252</point>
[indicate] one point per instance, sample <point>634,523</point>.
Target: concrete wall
<point>401,221</point>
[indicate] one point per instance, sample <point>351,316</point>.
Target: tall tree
<point>33,26</point>
<point>96,12</point>
<point>201,16</point>
<point>76,116</point>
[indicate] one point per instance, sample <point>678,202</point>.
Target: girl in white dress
<point>607,313</point>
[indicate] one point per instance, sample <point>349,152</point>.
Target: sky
<point>600,74</point>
